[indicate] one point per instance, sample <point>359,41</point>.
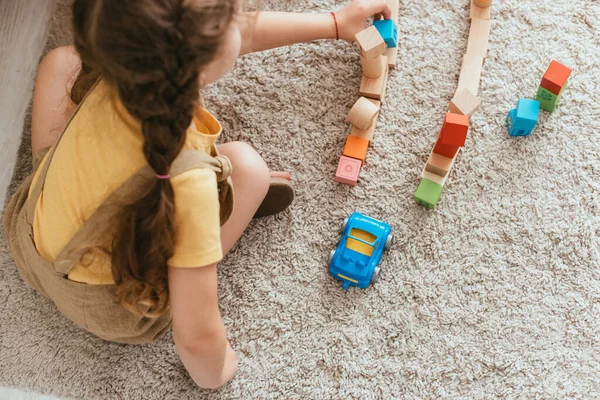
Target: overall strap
<point>185,161</point>
<point>36,192</point>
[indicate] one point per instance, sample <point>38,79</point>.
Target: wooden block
<point>373,68</point>
<point>392,56</point>
<point>438,164</point>
<point>455,129</point>
<point>556,77</point>
<point>465,103</point>
<point>356,147</point>
<point>470,73</point>
<point>480,12</point>
<point>363,113</point>
<point>374,88</point>
<point>370,131</point>
<point>348,171</point>
<point>370,43</point>
<point>479,37</point>
<point>392,53</point>
<point>483,3</point>
<point>440,180</point>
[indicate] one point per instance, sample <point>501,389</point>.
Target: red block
<point>455,129</point>
<point>556,77</point>
<point>445,149</point>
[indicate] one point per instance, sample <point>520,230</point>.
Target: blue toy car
<point>524,118</point>
<point>356,259</point>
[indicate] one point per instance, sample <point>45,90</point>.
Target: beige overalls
<point>94,307</point>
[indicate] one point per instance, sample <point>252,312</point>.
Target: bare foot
<point>281,174</point>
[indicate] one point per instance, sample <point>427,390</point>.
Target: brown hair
<point>151,52</point>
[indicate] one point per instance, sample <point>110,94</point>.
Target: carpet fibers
<point>495,294</point>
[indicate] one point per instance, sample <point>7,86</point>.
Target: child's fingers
<point>380,7</point>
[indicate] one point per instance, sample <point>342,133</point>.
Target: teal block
<point>547,99</point>
<point>388,31</point>
<point>428,193</point>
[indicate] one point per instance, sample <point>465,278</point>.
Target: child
<point>131,208</point>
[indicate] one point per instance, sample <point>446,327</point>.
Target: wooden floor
<point>23,30</point>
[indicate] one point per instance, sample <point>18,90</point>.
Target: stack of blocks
<point>464,104</point>
<point>552,86</point>
<point>374,45</point>
<point>522,120</point>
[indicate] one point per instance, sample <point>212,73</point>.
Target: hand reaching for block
<point>353,18</point>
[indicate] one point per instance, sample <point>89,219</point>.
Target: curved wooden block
<point>373,68</point>
<point>483,3</point>
<point>363,113</point>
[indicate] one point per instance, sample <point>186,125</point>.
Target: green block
<point>547,99</point>
<point>428,193</point>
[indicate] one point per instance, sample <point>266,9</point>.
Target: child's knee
<point>249,166</point>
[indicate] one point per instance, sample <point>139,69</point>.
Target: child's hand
<point>353,17</point>
<point>231,364</point>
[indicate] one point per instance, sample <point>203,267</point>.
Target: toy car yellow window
<point>360,247</point>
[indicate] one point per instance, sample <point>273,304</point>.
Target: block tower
<point>377,46</point>
<point>465,103</point>
<point>552,86</point>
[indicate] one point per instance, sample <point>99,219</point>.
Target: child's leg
<point>52,105</point>
<point>251,178</point>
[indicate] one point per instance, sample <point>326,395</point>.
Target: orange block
<point>556,77</point>
<point>455,129</point>
<point>356,147</point>
<point>445,149</point>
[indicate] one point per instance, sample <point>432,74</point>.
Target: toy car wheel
<point>375,276</point>
<point>330,259</point>
<point>388,242</point>
<point>345,223</point>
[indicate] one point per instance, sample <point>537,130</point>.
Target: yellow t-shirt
<point>102,148</point>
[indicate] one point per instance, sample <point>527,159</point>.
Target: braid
<point>152,52</point>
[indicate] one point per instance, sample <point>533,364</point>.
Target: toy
<point>373,68</point>
<point>470,73</point>
<point>392,52</point>
<point>388,30</point>
<point>478,12</point>
<point>439,165</point>
<point>428,193</point>
<point>356,259</point>
<point>363,113</point>
<point>483,3</point>
<point>479,37</point>
<point>465,103</point>
<point>556,77</point>
<point>370,43</point>
<point>374,88</point>
<point>454,130</point>
<point>552,86</point>
<point>348,171</point>
<point>522,120</point>
<point>356,147</point>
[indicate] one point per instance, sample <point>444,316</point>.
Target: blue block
<point>522,120</point>
<point>388,31</point>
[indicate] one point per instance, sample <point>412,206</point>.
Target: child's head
<point>154,53</point>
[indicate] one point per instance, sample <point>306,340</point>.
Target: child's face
<point>225,58</point>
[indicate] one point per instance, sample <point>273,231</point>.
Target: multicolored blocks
<point>522,120</point>
<point>552,86</point>
<point>452,137</point>
<point>388,30</point>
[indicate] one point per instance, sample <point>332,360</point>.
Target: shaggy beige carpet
<point>496,294</point>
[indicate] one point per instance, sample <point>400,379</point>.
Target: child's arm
<point>198,329</point>
<point>275,29</point>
